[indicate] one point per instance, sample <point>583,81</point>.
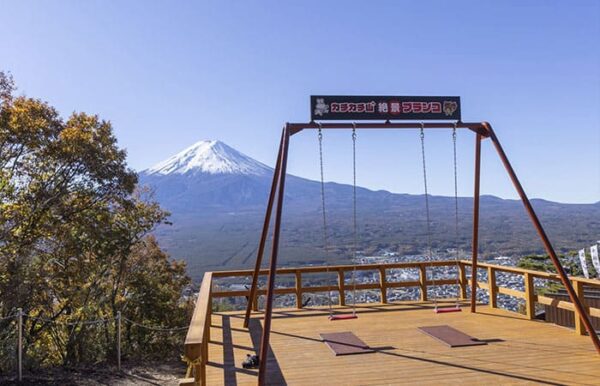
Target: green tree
<point>74,241</point>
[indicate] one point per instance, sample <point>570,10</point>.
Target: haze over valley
<point>217,198</point>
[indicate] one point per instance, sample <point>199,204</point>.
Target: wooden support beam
<point>475,240</point>
<point>252,303</point>
<point>264,342</point>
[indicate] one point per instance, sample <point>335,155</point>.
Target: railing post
<point>462,280</point>
<point>341,287</point>
<point>208,321</point>
<point>20,343</point>
<point>529,296</point>
<point>579,326</point>
<point>423,281</point>
<point>298,289</point>
<point>493,302</point>
<point>200,370</point>
<point>382,285</point>
<point>118,340</point>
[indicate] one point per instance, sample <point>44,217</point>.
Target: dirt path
<point>153,373</point>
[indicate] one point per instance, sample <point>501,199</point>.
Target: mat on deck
<point>450,336</point>
<point>345,343</point>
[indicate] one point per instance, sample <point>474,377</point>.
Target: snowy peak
<point>212,157</point>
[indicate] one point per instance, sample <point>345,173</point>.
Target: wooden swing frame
<point>482,131</point>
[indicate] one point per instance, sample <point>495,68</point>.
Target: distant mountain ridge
<point>217,197</point>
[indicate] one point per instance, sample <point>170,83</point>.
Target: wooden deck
<point>518,351</point>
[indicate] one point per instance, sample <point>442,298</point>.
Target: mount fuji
<point>210,157</point>
<point>217,198</point>
<point>212,177</point>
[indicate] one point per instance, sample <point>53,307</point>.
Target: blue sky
<point>170,73</point>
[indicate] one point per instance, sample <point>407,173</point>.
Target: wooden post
<point>493,302</point>
<point>264,342</point>
<point>475,241</point>
<point>462,280</point>
<point>529,296</point>
<point>579,326</point>
<point>298,289</point>
<point>200,371</point>
<point>263,236</point>
<point>383,285</point>
<point>564,278</point>
<point>341,287</point>
<point>423,281</point>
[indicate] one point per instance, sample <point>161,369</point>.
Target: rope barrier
<point>20,317</point>
<point>83,322</point>
<point>94,322</point>
<point>153,328</point>
<point>13,316</point>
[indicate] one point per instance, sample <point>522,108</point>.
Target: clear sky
<point>170,73</point>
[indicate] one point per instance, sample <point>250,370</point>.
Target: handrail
<point>531,298</point>
<point>341,287</point>
<point>504,268</point>
<point>196,341</point>
<point>333,268</point>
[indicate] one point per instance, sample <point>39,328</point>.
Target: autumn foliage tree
<point>74,240</point>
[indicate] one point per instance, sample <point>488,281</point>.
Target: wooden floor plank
<point>519,351</point>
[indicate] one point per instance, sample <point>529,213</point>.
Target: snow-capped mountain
<point>212,157</point>
<point>206,177</point>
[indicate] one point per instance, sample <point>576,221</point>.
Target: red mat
<point>345,343</point>
<point>450,336</point>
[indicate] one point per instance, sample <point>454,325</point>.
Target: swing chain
<point>429,253</point>
<point>320,136</point>
<point>456,250</point>
<point>455,190</point>
<point>422,132</point>
<point>355,228</point>
<point>325,245</point>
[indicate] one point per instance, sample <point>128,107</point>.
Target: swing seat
<point>343,317</point>
<point>444,310</point>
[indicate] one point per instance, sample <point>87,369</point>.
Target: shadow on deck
<point>518,350</point>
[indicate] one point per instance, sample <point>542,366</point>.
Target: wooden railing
<point>195,348</point>
<point>530,296</point>
<point>196,342</point>
<point>341,287</point>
